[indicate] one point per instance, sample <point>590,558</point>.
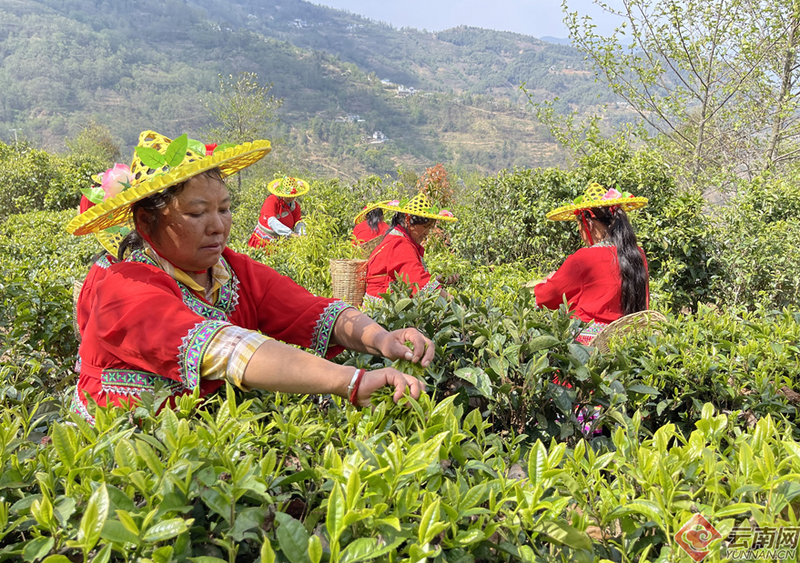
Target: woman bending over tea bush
<point>182,310</point>
<point>609,278</point>
<point>399,255</point>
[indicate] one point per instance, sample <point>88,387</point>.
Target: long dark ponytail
<point>631,263</point>
<point>374,219</point>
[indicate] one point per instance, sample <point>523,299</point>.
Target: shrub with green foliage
<point>32,179</point>
<point>504,220</point>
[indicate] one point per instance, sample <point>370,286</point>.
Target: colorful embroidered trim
<point>104,261</point>
<point>323,330</point>
<point>79,408</point>
<point>264,233</point>
<point>587,335</point>
<point>129,382</point>
<point>193,349</point>
<point>228,293</point>
<point>432,286</point>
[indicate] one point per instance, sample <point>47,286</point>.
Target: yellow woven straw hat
<point>597,196</point>
<point>111,237</point>
<point>371,207</point>
<point>288,187</point>
<point>159,163</point>
<point>420,206</point>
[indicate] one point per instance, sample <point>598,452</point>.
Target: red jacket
<point>398,257</point>
<point>139,326</point>
<point>591,282</point>
<point>362,232</point>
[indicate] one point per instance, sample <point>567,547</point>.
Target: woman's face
<point>195,225</point>
<point>419,232</point>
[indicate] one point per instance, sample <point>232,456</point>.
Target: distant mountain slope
<point>149,64</point>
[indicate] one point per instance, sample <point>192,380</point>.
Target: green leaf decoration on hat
<point>94,194</point>
<point>223,147</point>
<point>176,151</point>
<point>172,157</point>
<point>196,146</point>
<point>150,157</point>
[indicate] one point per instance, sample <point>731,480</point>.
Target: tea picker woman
<point>183,311</point>
<point>369,224</point>
<point>399,256</point>
<point>609,278</point>
<point>281,215</point>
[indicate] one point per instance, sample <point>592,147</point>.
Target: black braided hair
<point>631,263</point>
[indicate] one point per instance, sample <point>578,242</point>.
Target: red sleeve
<point>565,281</point>
<point>283,310</point>
<point>269,209</point>
<point>406,265</point>
<point>362,233</point>
<point>137,316</point>
<point>297,213</point>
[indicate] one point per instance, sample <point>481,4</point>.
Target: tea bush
<point>283,479</point>
<point>32,179</point>
<point>501,462</point>
<point>504,220</point>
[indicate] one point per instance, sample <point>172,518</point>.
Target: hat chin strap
<point>582,214</point>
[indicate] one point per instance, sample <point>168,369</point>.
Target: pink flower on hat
<point>445,213</point>
<point>611,194</point>
<point>114,180</point>
<point>394,203</point>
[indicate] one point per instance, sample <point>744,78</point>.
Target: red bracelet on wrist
<point>359,375</point>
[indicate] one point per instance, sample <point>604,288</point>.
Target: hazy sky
<point>531,17</point>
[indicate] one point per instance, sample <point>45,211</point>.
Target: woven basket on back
<point>76,292</point>
<point>366,248</point>
<point>349,280</point>
<point>635,322</point>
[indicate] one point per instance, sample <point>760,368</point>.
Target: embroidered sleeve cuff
<point>432,286</point>
<point>193,350</point>
<point>229,352</point>
<point>321,338</point>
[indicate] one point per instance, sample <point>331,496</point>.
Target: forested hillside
<point>450,96</point>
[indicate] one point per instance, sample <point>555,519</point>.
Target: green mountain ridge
<point>150,64</point>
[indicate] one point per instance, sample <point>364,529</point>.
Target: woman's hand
<point>374,380</point>
<point>449,280</point>
<point>393,346</point>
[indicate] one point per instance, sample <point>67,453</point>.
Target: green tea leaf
<point>166,529</point>
<point>62,442</point>
<point>114,531</point>
<point>94,518</point>
<point>104,555</point>
<point>335,514</point>
<point>293,538</point>
<point>38,548</point>
<point>314,549</point>
<point>267,553</point>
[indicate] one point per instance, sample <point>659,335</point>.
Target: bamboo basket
<point>349,280</point>
<point>366,248</point>
<point>635,322</point>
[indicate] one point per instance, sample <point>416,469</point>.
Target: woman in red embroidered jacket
<point>281,214</point>
<point>608,279</point>
<point>182,311</point>
<point>399,256</point>
<point>369,225</point>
